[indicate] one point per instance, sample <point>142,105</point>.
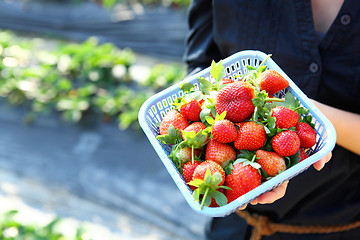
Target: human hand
<point>321,163</point>
<point>271,196</point>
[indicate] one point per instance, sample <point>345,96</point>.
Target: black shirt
<point>327,70</point>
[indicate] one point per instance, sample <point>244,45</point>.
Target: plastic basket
<point>155,108</point>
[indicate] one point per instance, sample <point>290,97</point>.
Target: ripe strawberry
<point>236,99</point>
<point>208,177</point>
<point>195,126</point>
<point>226,81</point>
<point>224,131</point>
<point>286,143</point>
<point>191,110</point>
<point>303,155</point>
<point>188,171</point>
<point>251,136</point>
<point>285,117</point>
<point>306,134</point>
<point>220,153</point>
<point>271,162</point>
<point>173,117</point>
<point>242,179</point>
<point>272,82</point>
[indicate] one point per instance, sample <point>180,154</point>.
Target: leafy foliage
<point>77,79</point>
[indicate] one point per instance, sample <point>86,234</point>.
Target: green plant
<point>76,79</point>
<point>13,229</point>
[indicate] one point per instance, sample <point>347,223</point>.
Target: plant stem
<point>205,196</point>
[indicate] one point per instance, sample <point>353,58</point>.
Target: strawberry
<point>251,136</point>
<point>188,171</point>
<point>173,117</point>
<point>191,110</point>
<point>220,153</point>
<point>226,81</point>
<point>185,154</point>
<point>208,177</point>
<point>272,82</point>
<point>285,117</point>
<point>243,178</point>
<point>303,154</point>
<point>196,127</point>
<point>222,129</point>
<point>236,99</point>
<point>271,162</point>
<point>286,143</point>
<point>306,134</point>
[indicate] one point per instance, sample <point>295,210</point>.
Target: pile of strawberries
<point>229,136</point>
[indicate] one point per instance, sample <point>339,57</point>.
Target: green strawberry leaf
<point>205,86</point>
<point>173,136</point>
<point>217,71</point>
<point>290,101</point>
<point>220,198</point>
<point>205,112</point>
<point>195,140</point>
<point>187,87</point>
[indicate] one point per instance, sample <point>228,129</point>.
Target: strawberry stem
<point>274,100</point>
<point>192,154</point>
<point>205,196</point>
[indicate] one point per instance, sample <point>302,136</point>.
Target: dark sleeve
<point>200,47</point>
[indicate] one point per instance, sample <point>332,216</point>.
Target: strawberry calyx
<point>195,140</point>
<point>173,137</point>
<point>207,188</point>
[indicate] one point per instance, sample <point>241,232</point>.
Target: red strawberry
<point>306,134</point>
<point>224,131</point>
<point>196,127</point>
<point>173,117</point>
<point>303,155</point>
<point>251,136</point>
<point>285,117</point>
<point>220,153</point>
<point>226,81</point>
<point>242,179</point>
<point>191,110</point>
<point>286,143</point>
<point>208,177</point>
<point>271,162</point>
<point>199,172</point>
<point>236,99</point>
<point>188,171</point>
<point>272,82</point>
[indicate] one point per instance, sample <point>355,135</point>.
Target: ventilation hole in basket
<point>151,113</point>
<point>256,62</point>
<point>174,97</point>
<point>163,114</point>
<point>170,101</point>
<point>248,61</point>
<point>233,69</point>
<point>164,102</point>
<point>181,93</point>
<point>196,86</point>
<point>153,108</point>
<point>237,64</point>
<point>228,70</point>
<point>159,105</point>
<point>243,61</point>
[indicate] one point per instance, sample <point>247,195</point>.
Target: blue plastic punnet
<point>155,108</point>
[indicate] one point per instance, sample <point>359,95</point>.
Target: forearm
<point>347,126</point>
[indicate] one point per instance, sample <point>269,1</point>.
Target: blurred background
<point>74,163</point>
